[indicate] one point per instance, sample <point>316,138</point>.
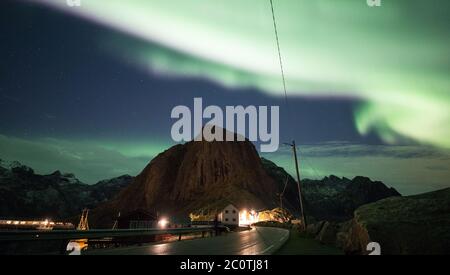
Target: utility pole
<point>300,196</point>
<point>286,98</point>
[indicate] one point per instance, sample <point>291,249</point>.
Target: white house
<point>229,215</point>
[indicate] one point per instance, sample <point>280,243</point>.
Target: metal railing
<point>36,235</point>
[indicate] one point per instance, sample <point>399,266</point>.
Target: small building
<point>229,215</point>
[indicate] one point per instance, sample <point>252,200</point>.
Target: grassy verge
<point>301,244</point>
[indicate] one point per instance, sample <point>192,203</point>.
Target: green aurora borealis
<point>394,60</point>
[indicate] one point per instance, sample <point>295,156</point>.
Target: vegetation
<point>303,244</point>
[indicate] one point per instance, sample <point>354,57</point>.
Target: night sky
<point>89,89</point>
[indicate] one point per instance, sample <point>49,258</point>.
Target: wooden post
<point>300,196</point>
<point>281,202</point>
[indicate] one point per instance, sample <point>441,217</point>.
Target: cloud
<point>338,149</point>
<point>410,169</point>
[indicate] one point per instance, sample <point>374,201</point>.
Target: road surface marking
<point>267,249</point>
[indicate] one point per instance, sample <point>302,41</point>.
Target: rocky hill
<point>194,176</point>
<point>206,176</point>
<point>417,224</point>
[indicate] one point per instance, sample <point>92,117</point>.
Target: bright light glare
<point>163,223</point>
<point>247,217</point>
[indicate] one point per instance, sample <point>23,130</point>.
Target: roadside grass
<point>302,244</point>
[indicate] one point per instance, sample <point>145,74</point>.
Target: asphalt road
<point>258,241</point>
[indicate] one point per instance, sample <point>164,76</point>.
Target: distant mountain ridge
<point>24,194</point>
<point>331,198</point>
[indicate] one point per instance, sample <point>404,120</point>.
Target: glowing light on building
<point>163,223</point>
<point>46,224</point>
<point>247,217</point>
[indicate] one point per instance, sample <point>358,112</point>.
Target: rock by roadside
<point>417,224</point>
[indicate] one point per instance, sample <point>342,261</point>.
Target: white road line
<point>267,249</point>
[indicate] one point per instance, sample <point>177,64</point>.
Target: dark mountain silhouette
<point>24,194</point>
<point>331,198</point>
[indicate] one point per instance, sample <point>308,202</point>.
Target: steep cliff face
<point>197,176</point>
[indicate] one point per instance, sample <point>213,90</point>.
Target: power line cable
<point>280,57</point>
